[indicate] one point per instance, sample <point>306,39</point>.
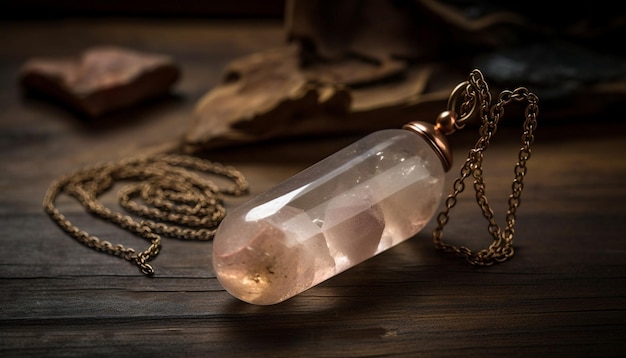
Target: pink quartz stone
<point>358,202</point>
<point>353,227</point>
<point>276,259</point>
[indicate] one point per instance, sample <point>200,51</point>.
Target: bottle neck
<point>435,138</point>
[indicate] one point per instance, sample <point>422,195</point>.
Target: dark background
<point>236,9</point>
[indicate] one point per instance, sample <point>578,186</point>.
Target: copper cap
<point>435,138</point>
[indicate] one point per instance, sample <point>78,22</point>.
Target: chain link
<point>174,200</point>
<point>477,94</point>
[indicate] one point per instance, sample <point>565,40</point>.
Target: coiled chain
<point>164,190</point>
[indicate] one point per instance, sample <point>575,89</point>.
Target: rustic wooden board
<point>564,293</point>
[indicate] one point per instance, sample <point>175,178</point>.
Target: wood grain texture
<point>563,294</point>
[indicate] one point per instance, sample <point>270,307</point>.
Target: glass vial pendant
<point>360,201</point>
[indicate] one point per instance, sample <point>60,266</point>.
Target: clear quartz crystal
<point>358,202</point>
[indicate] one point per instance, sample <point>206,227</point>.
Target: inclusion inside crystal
<point>358,202</point>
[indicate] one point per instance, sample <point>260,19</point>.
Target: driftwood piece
<point>259,97</point>
<point>268,95</point>
<point>102,80</point>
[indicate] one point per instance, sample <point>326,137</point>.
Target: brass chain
<point>477,94</point>
<point>165,190</point>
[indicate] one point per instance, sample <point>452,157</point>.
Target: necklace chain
<point>166,191</point>
<point>477,93</point>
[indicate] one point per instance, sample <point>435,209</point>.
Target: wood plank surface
<point>563,294</point>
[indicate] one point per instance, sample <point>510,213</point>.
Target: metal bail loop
<point>461,97</point>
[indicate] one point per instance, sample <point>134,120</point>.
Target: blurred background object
<point>101,80</point>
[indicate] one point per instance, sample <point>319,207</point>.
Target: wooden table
<point>563,294</point>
